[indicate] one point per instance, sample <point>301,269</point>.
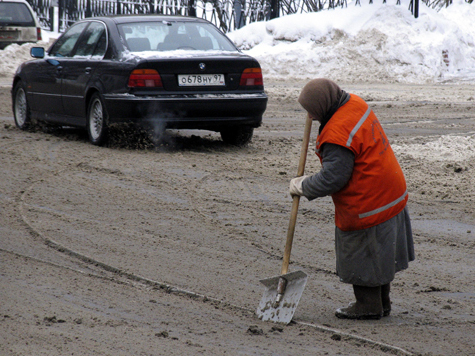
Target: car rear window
<point>15,14</point>
<point>174,35</point>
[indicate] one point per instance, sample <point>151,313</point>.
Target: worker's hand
<point>296,186</point>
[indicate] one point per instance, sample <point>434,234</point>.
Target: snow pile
<point>11,57</point>
<point>14,55</point>
<point>371,43</point>
<point>446,148</point>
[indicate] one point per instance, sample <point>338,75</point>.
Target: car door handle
<point>88,70</point>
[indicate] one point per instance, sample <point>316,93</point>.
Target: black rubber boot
<point>368,304</point>
<point>385,289</point>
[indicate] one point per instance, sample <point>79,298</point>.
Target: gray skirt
<point>371,257</point>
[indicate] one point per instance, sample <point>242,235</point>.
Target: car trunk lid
<point>192,72</point>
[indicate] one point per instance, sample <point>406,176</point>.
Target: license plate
<point>9,35</point>
<point>198,80</point>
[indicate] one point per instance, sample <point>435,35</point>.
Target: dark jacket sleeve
<point>337,168</point>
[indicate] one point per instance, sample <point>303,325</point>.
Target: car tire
<point>237,135</point>
<point>21,109</point>
<point>97,120</point>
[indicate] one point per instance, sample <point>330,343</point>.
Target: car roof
<point>20,1</point>
<point>119,19</point>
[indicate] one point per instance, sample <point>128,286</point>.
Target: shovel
<point>283,292</point>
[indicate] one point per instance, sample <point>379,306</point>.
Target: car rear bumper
<point>188,111</point>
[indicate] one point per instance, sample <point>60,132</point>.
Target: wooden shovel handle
<point>296,198</point>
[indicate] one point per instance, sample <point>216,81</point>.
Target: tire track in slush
<point>255,207</point>
<point>173,289</point>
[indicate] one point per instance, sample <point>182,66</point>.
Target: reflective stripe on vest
<point>383,208</point>
<point>357,127</point>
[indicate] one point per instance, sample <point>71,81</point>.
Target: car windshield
<point>176,35</point>
<point>12,14</point>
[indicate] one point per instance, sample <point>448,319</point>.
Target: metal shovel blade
<point>284,311</point>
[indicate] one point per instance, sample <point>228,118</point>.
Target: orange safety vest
<point>376,191</point>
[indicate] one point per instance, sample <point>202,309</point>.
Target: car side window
<point>89,40</point>
<point>101,47</point>
<point>65,44</point>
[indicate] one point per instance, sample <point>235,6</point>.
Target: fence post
<point>53,6</point>
<point>61,15</point>
<point>238,18</point>
<point>51,17</point>
<point>88,12</point>
<point>274,8</point>
<point>191,8</point>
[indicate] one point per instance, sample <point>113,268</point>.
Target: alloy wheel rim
<point>20,107</point>
<point>96,120</point>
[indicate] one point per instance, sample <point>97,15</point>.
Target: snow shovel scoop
<point>283,292</point>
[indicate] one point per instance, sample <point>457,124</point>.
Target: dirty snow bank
<point>371,43</point>
<point>14,55</point>
<point>449,148</point>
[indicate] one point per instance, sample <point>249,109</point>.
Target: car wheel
<point>21,109</point>
<point>97,120</point>
<point>237,136</point>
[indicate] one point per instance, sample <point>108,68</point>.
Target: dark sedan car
<point>156,71</point>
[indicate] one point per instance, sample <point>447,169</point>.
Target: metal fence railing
<point>228,15</point>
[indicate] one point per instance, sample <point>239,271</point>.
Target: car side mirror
<point>37,52</point>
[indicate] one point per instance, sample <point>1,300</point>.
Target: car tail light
<point>38,34</point>
<point>145,78</point>
<point>251,76</point>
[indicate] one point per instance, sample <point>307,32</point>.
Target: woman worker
<point>373,236</point>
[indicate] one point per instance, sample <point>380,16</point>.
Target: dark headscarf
<point>322,98</point>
